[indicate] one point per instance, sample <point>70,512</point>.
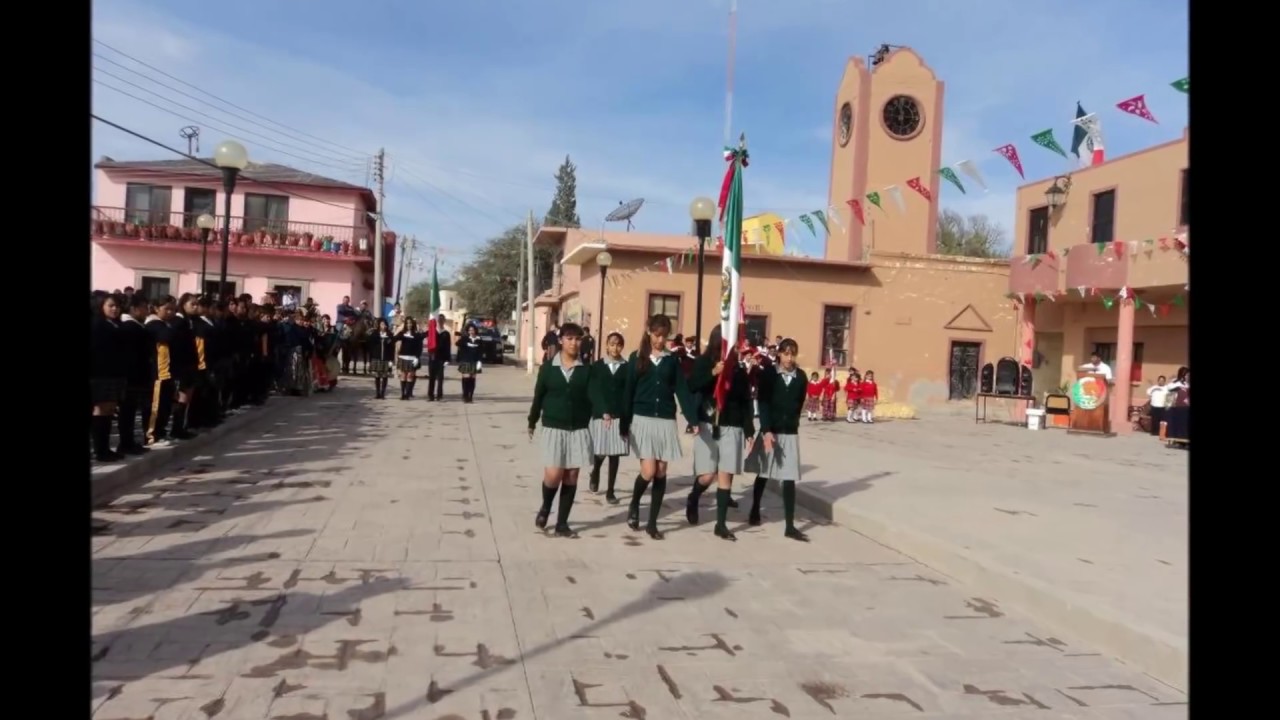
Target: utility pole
<point>520,299</point>
<point>407,248</point>
<point>379,295</point>
<point>528,233</point>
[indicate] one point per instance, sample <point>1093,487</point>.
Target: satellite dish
<point>625,211</point>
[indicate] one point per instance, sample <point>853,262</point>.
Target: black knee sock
<point>655,500</point>
<point>613,472</point>
<point>101,435</point>
<point>789,502</point>
<point>566,504</point>
<point>757,493</point>
<point>471,388</point>
<point>722,506</point>
<point>404,389</point>
<point>411,384</point>
<point>595,468</point>
<point>696,493</point>
<point>548,495</point>
<point>637,492</point>
<point>179,419</point>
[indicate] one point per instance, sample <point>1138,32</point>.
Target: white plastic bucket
<point>1035,418</point>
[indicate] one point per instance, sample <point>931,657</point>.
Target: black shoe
<point>795,534</point>
<point>633,520</point>
<point>754,518</point>
<point>612,499</point>
<point>654,532</point>
<point>541,520</point>
<point>181,435</point>
<point>594,484</point>
<point>733,503</point>
<point>691,509</point>
<point>108,456</point>
<point>565,531</point>
<point>132,450</point>
<point>723,533</point>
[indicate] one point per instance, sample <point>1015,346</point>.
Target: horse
<point>353,339</point>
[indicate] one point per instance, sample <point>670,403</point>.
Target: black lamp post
<point>205,222</point>
<point>702,210</point>
<point>1056,195</point>
<point>231,157</point>
<point>603,260</point>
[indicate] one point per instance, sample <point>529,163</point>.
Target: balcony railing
<point>1031,274</point>
<point>247,233</point>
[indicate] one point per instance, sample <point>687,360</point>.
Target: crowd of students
<point>163,367</point>
<point>599,412</point>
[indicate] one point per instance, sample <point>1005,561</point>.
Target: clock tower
<point>886,129</point>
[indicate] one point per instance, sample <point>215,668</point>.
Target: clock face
<point>845,123</point>
<point>902,117</point>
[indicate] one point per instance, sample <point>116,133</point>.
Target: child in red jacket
<point>829,391</point>
<point>870,395</point>
<point>853,396</point>
<point>814,399</point>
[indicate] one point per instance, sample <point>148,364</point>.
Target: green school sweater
<point>655,393</point>
<point>737,410</point>
<point>608,390</point>
<point>561,404</point>
<point>780,403</point>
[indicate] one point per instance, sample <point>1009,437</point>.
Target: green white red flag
<point>731,211</point>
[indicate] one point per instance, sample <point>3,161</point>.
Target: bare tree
<point>972,236</point>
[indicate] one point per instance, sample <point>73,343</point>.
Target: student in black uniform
<point>202,411</point>
<point>608,383</point>
<point>437,358</point>
<point>382,353</point>
<point>781,394</point>
<point>139,356</point>
<point>469,357</point>
<point>106,372</point>
<point>408,353</point>
<point>718,452</point>
<point>654,383</point>
<point>162,389</point>
<point>562,401</point>
<point>185,360</point>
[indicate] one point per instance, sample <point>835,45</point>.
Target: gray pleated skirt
<point>607,440</point>
<point>565,448</point>
<point>782,464</point>
<point>654,439</point>
<point>725,455</point>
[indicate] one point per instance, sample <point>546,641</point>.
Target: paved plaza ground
<point>342,558</point>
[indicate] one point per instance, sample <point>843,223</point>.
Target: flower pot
<point>145,232</point>
<point>130,230</point>
<point>346,247</point>
<point>294,240</point>
<point>317,245</point>
<point>115,228</point>
<point>326,244</point>
<point>173,232</point>
<point>95,227</point>
<point>260,237</point>
<point>246,240</point>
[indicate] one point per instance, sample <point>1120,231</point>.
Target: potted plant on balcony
<point>346,247</point>
<point>144,232</point>
<point>95,227</point>
<point>326,243</point>
<point>173,232</point>
<point>130,229</point>
<point>293,240</point>
<point>314,243</point>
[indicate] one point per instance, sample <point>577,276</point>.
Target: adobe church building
<point>880,299</point>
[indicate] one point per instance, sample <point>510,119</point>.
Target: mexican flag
<point>434,303</point>
<point>731,274</point>
<point>1087,135</point>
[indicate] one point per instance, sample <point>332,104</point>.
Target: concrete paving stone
<point>403,570</point>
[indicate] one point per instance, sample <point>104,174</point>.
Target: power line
<point>228,102</point>
<point>202,161</point>
<point>207,124</point>
<point>339,157</point>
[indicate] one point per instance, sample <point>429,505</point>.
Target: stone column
<point>1026,347</point>
<point>1122,390</point>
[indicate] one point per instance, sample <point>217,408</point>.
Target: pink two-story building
<point>290,230</point>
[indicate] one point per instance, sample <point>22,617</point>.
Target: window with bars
<point>837,324</point>
<point>266,212</point>
<point>1103,227</point>
<point>147,204</point>
<point>1038,231</point>
<point>1107,351</point>
<point>668,305</point>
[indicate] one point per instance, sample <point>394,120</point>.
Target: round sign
<point>1088,393</point>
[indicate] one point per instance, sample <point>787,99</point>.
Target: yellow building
<point>762,241</point>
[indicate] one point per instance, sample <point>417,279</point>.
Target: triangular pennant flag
<point>1124,292</point>
<point>1120,248</point>
<point>808,222</point>
<point>1066,251</point>
<point>833,217</point>
<point>1022,297</point>
<point>1036,260</point>
<point>1108,301</point>
<point>1101,247</point>
<point>1137,105</point>
<point>874,199</point>
<point>1045,139</point>
<point>1152,309</point>
<point>1137,302</point>
<point>856,208</point>
<point>1183,85</point>
<point>970,168</point>
<point>1050,297</point>
<point>915,184</point>
<point>779,227</point>
<point>1010,153</point>
<point>895,193</point>
<point>669,264</point>
<point>950,175</point>
<point>768,233</point>
<point>1081,290</point>
<point>1178,300</point>
<point>822,220</point>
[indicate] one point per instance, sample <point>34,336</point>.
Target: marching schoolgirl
<point>382,350</point>
<point>469,357</point>
<point>829,392</point>
<point>718,451</point>
<point>776,453</point>
<point>853,396</point>
<point>562,400</point>
<point>184,360</point>
<point>813,399</point>
<point>408,352</point>
<point>870,396</point>
<point>107,372</point>
<point>654,383</point>
<point>608,383</point>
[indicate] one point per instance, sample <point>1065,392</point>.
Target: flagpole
<point>728,93</point>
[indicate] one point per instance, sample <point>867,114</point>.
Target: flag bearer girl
<point>654,383</point>
<point>382,349</point>
<point>776,453</point>
<point>561,399</point>
<point>608,383</point>
<point>718,453</point>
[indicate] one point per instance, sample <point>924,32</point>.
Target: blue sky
<point>478,102</point>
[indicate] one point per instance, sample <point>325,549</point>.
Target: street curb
<point>105,485</point>
<point>1153,652</point>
